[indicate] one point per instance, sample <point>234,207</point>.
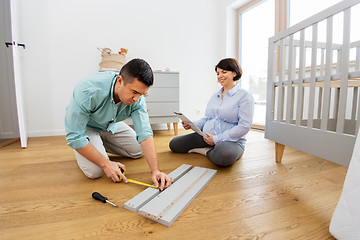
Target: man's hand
<point>112,171</point>
<point>148,147</point>
<point>160,176</point>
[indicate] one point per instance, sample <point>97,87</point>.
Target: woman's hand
<point>209,140</point>
<point>186,126</point>
<point>164,179</point>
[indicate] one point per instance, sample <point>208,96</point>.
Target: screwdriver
<point>103,199</point>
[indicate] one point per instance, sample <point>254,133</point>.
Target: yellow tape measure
<point>137,182</point>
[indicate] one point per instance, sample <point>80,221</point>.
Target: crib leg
<point>279,151</point>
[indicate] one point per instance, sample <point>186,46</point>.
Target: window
<point>256,26</point>
<point>300,10</point>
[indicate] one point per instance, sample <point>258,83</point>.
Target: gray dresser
<point>163,99</point>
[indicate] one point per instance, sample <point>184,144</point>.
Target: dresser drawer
<point>163,95</point>
<point>162,109</point>
<point>163,100</point>
<point>163,79</point>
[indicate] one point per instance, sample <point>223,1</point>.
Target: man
<point>94,126</point>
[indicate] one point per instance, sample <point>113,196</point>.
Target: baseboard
<point>62,132</point>
<point>46,133</point>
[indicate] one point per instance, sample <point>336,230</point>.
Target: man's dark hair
<point>230,64</point>
<point>139,69</point>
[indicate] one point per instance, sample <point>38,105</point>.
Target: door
<point>11,67</point>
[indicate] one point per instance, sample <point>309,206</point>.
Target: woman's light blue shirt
<point>92,104</point>
<point>228,119</point>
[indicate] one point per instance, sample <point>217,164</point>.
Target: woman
<point>228,118</point>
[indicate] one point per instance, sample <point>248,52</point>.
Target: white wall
<point>61,37</point>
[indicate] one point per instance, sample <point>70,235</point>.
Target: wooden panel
<point>155,208</point>
<point>169,217</point>
<point>169,204</point>
<point>145,196</point>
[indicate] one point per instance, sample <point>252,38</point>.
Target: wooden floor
<point>44,195</point>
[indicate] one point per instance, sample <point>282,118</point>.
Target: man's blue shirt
<point>92,104</point>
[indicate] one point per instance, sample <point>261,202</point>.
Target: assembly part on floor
<point>165,207</point>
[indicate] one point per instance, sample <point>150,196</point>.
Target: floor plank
<point>254,199</point>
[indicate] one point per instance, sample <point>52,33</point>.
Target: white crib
<point>313,84</point>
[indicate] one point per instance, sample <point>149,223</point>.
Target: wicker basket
<point>110,60</point>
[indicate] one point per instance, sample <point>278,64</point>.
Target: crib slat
<point>322,65</point>
<point>274,72</point>
<point>336,102</point>
<point>312,76</point>
<point>357,61</point>
<point>328,69</point>
<point>358,115</point>
<point>318,116</point>
<point>270,100</point>
<point>300,95</point>
<point>338,62</point>
<point>289,96</point>
<point>292,102</point>
<point>292,109</point>
<point>344,72</point>
<point>354,103</point>
<point>280,103</point>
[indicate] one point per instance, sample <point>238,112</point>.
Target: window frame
<point>280,24</point>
